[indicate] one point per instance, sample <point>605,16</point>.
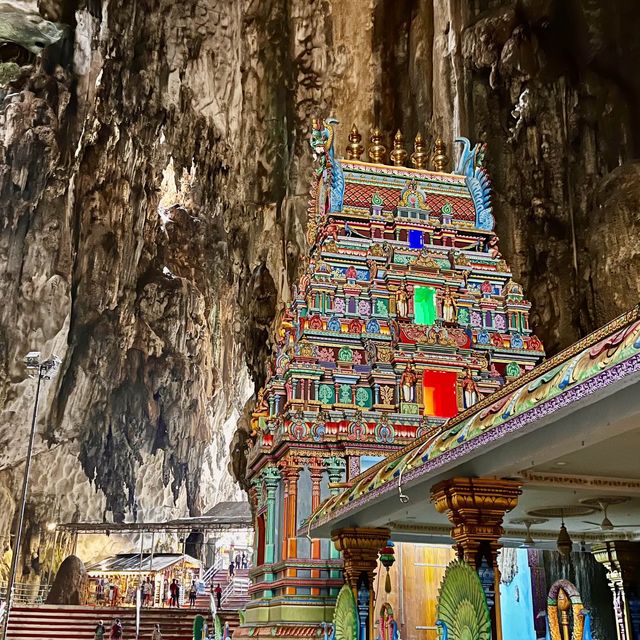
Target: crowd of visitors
<point>108,593</point>
<point>240,561</point>
<point>117,631</point>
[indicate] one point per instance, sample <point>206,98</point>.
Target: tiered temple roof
<point>405,311</point>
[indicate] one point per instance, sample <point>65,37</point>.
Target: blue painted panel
<point>416,239</point>
<point>516,599</point>
<point>366,462</point>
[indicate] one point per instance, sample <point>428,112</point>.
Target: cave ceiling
<point>154,172</point>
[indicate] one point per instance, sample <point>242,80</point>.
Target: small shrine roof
<point>223,516</point>
<point>360,195</point>
<point>600,359</point>
<point>135,563</point>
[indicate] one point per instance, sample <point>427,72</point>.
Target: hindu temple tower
<point>404,314</point>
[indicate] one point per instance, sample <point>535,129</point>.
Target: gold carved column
<point>621,559</point>
<point>476,508</point>
<point>360,548</point>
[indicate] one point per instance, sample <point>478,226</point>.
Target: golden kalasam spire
<point>354,148</point>
<point>398,154</point>
<point>419,156</point>
<point>440,159</point>
<point>377,150</point>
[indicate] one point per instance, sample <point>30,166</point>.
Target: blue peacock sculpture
<point>444,632</point>
<point>478,181</point>
<point>586,630</point>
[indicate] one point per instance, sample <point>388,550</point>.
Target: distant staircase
<point>235,593</point>
<point>66,622</point>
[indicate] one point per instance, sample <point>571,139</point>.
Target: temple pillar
<point>316,470</point>
<point>271,478</point>
<point>335,469</point>
<point>476,507</point>
<point>290,475</point>
<point>360,548</point>
<point>621,559</point>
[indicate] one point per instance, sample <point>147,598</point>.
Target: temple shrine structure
<point>405,316</point>
<point>529,475</point>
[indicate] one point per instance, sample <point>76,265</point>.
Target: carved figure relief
<point>470,392</point>
<point>402,303</point>
<point>408,384</point>
<point>448,306</point>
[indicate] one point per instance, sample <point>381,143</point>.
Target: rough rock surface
<point>164,321</point>
<point>70,584</point>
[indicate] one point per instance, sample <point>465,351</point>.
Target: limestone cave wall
<point>153,184</point>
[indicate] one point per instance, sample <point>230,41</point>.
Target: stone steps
<point>58,622</point>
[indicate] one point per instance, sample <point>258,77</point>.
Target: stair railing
<point>237,585</point>
<point>25,593</point>
<point>213,569</point>
<point>227,591</point>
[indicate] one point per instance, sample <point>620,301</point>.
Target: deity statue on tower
<point>351,273</point>
<point>492,247</point>
<point>373,269</point>
<point>408,383</point>
<point>402,302</point>
<point>448,306</point>
<point>470,392</point>
<point>261,410</point>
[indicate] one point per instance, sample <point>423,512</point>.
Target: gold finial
<point>354,148</point>
<point>398,155</point>
<point>440,159</point>
<point>419,156</point>
<point>377,150</point>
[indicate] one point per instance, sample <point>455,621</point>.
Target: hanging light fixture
<point>387,558</point>
<point>564,544</point>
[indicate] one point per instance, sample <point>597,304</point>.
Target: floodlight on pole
<point>41,370</point>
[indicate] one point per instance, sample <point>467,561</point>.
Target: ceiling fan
<point>528,542</point>
<point>604,503</point>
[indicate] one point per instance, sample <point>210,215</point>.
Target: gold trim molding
<point>625,486</point>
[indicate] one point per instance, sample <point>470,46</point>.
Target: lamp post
<point>41,370</point>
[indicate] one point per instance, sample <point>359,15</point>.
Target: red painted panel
<point>439,392</point>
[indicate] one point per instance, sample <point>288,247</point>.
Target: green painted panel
<point>381,308</point>
<point>424,304</point>
<point>364,397</point>
<point>345,394</point>
<point>327,394</point>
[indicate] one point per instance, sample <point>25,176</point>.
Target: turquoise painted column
<point>271,479</point>
<point>335,470</point>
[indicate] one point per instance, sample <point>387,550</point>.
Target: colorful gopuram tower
<point>404,314</point>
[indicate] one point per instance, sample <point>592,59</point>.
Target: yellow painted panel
<point>421,568</point>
